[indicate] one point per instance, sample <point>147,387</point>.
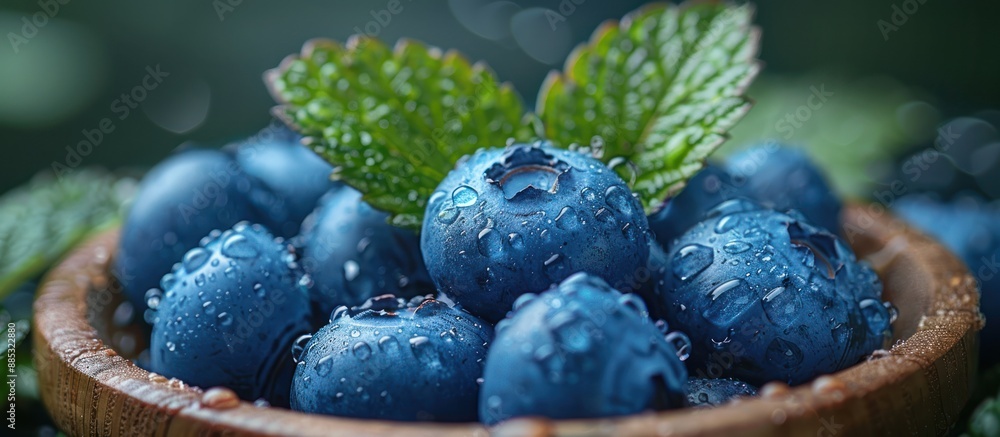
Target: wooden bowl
<point>90,386</point>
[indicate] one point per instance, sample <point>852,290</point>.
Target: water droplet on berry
<point>681,343</point>
<point>338,312</point>
<point>555,267</point>
<point>195,258</point>
<point>351,270</point>
<point>876,315</point>
<point>735,247</point>
<point>619,199</point>
<point>208,308</point>
<point>388,344</point>
<point>726,224</point>
<point>355,333</point>
<point>568,219</point>
<point>238,246</point>
<point>634,303</point>
<point>324,365</point>
<point>225,319</point>
<point>781,306</point>
<point>730,300</point>
<point>153,297</point>
<point>490,243</point>
<point>171,346</point>
<point>448,215</point>
<point>784,354</point>
<point>464,196</point>
<point>299,347</point>
<point>516,241</point>
<point>588,194</point>
<point>362,351</point>
<point>691,260</point>
<point>260,290</point>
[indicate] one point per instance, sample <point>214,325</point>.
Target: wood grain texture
<point>916,388</point>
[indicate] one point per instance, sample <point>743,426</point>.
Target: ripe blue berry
<point>580,350</point>
<point>970,228</point>
<point>293,176</point>
<point>352,254</point>
<point>711,392</point>
<point>767,296</point>
<point>180,201</point>
<point>229,312</point>
<point>782,178</point>
<point>517,220</point>
<point>393,360</point>
<point>706,189</point>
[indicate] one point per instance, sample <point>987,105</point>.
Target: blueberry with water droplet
<point>386,359</point>
<point>352,254</point>
<point>708,392</point>
<point>510,221</point>
<point>789,301</point>
<point>293,177</point>
<point>226,332</point>
<point>970,227</point>
<point>180,201</point>
<point>583,350</point>
<point>706,189</point>
<point>784,178</point>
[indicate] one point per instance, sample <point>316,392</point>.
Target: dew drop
<point>691,260</point>
<point>568,219</point>
<point>299,347</point>
<point>195,258</point>
<point>351,270</point>
<point>362,351</point>
<point>464,196</point>
<point>619,199</point>
<point>735,247</point>
<point>238,246</point>
<point>324,365</point>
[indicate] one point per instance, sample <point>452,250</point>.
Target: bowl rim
<point>89,389</point>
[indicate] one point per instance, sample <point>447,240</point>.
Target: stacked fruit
<point>450,279</point>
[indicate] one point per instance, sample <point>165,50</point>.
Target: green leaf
<point>41,221</point>
<point>394,122</point>
<point>656,92</point>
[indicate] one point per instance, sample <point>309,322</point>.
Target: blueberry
<point>229,310</point>
<point>517,220</point>
<point>970,228</point>
<point>352,254</point>
<point>579,350</point>
<point>180,201</point>
<point>711,392</point>
<point>393,360</point>
<point>294,177</point>
<point>768,296</point>
<point>706,189</point>
<point>783,178</point>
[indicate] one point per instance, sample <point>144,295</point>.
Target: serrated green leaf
<point>655,92</point>
<point>41,221</point>
<point>394,122</point>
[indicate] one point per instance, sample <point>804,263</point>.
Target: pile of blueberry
<point>536,286</point>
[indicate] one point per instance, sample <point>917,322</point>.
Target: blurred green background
<point>68,75</point>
